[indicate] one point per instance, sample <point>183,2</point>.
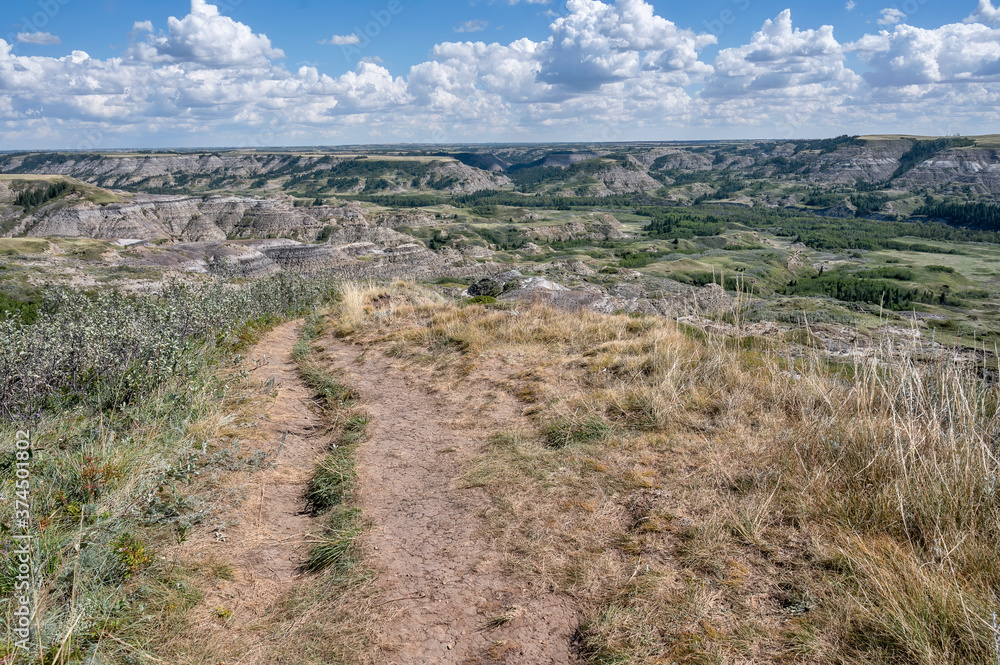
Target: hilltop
<point>305,471</point>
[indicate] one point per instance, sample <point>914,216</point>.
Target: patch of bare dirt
<point>447,596</point>
<point>264,551</point>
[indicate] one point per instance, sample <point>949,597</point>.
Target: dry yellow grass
<point>708,503</point>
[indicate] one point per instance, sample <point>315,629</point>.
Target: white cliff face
<point>683,160</point>
<point>195,219</point>
<point>87,220</point>
<point>875,161</point>
<point>413,219</point>
<point>960,167</point>
<point>972,170</point>
<point>619,180</point>
<point>868,161</point>
<point>469,179</point>
<point>606,227</point>
<point>131,169</point>
<point>238,169</point>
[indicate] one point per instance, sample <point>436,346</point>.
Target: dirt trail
<point>447,598</point>
<point>267,548</point>
<point>278,524</point>
<point>443,596</point>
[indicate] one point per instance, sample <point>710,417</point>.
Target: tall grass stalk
<point>996,637</point>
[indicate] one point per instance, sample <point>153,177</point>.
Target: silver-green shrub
<point>107,348</point>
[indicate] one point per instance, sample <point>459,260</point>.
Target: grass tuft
<point>329,494</point>
<point>563,433</point>
<point>335,546</point>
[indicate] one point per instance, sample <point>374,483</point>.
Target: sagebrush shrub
<point>109,348</point>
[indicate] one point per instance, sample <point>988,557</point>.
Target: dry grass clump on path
<point>718,501</point>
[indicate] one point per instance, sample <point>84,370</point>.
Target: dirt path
<point>265,550</point>
<point>276,532</point>
<point>443,596</point>
<point>447,596</point>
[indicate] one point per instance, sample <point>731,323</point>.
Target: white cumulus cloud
<point>206,37</point>
<point>985,13</point>
<point>475,25</point>
<point>342,40</point>
<point>909,56</point>
<point>890,16</point>
<point>606,70</point>
<point>38,38</point>
<point>783,64</point>
<point>599,43</point>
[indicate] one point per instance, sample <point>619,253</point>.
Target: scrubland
<point>134,405</point>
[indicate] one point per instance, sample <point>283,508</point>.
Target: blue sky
<point>166,73</point>
<point>101,27</point>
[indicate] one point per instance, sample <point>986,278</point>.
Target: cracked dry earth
<point>445,594</point>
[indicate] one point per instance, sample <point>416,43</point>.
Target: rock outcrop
<point>958,168</point>
<point>468,179</point>
<point>603,228</point>
<point>875,161</point>
<point>618,180</point>
<point>195,219</point>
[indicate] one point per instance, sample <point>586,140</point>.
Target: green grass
<point>85,249</point>
<point>334,478</point>
<point>87,191</point>
<point>25,308</point>
<point>11,247</point>
<point>100,196</point>
<point>87,468</point>
<point>334,393</point>
<point>335,547</point>
<point>329,495</point>
<point>565,432</point>
<point>26,177</point>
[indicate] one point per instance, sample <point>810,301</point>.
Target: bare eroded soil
<point>448,595</point>
<point>442,595</point>
<point>263,552</point>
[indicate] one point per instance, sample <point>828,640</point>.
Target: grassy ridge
<point>717,502</point>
